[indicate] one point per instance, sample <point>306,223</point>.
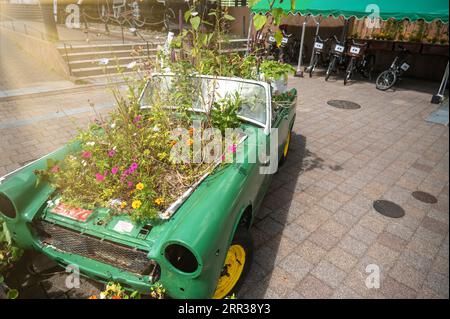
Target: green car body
<point>205,223</point>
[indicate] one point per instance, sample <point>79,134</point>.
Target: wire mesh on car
<point>70,241</point>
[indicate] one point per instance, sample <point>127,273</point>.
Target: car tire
<point>241,246</point>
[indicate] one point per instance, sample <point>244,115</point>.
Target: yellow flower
<point>136,204</point>
<point>159,201</point>
<point>123,205</point>
<point>139,186</point>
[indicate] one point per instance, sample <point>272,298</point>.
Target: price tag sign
<point>272,39</point>
<point>354,50</point>
<point>404,66</point>
<point>339,48</point>
<point>284,40</point>
<point>318,45</point>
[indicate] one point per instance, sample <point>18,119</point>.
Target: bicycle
<point>389,77</point>
<point>319,45</point>
<point>278,52</point>
<point>168,15</point>
<point>359,61</point>
<point>337,55</point>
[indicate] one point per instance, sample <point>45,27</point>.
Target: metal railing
<point>19,26</point>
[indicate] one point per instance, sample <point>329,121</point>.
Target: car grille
<point>70,241</point>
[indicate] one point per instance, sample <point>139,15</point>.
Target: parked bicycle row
<point>355,58</point>
<point>348,57</point>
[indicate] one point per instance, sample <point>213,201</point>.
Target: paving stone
<point>334,228</point>
<point>400,231</point>
<point>423,248</point>
<point>353,246</point>
<point>269,226</point>
<point>384,255</point>
<point>429,236</point>
<point>392,241</point>
<point>376,225</point>
<point>296,265</point>
<point>392,289</point>
<point>312,288</point>
<point>343,292</point>
<point>329,273</point>
<point>311,252</point>
<point>407,276</point>
<point>438,283</point>
<point>435,225</point>
<point>324,239</point>
<point>361,233</point>
<point>296,232</point>
<point>341,259</point>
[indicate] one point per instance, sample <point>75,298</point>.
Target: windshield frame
<point>265,85</point>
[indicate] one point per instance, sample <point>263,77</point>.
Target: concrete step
<point>75,65</point>
<point>105,47</point>
<point>21,11</point>
<point>86,56</point>
<point>99,70</point>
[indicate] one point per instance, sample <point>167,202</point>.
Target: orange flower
<point>191,131</point>
<point>93,297</point>
<point>190,142</point>
<point>116,297</point>
<point>172,143</point>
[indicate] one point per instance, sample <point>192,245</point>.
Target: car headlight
<point>181,258</point>
<point>6,206</point>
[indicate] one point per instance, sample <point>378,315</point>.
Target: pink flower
<point>130,184</point>
<point>137,119</point>
<point>114,170</point>
<point>111,153</point>
<point>232,148</point>
<point>55,169</point>
<point>99,177</point>
<point>133,167</point>
<point>222,158</point>
<point>86,154</point>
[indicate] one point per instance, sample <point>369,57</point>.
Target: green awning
<point>428,10</point>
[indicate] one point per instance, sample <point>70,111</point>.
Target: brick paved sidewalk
<point>317,231</point>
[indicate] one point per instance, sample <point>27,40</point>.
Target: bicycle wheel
<point>330,67</point>
<point>313,65</point>
<point>386,80</point>
<point>348,72</point>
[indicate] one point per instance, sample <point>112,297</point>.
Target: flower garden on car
<point>159,196</point>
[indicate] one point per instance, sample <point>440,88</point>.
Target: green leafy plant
<point>9,255</point>
<point>275,70</point>
<point>224,113</point>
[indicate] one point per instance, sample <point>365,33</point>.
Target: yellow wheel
<point>236,266</point>
<point>286,146</point>
<point>285,150</point>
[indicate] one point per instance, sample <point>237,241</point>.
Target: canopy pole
<point>250,22</point>
<point>312,51</point>
<point>439,96</point>
<point>299,72</point>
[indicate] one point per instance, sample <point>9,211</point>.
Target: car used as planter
<point>200,246</point>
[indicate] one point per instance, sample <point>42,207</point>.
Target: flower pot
<point>279,85</point>
<point>435,49</point>
<point>382,45</point>
<point>413,47</point>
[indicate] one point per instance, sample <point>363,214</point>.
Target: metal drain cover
<point>424,197</point>
<point>388,208</point>
<point>343,104</point>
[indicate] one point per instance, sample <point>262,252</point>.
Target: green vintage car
<point>202,250</point>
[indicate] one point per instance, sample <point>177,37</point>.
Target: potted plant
<point>277,74</point>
